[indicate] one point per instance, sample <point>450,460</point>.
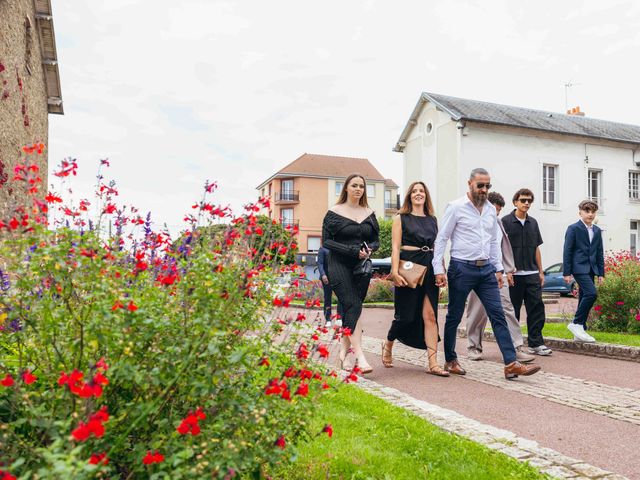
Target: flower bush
<point>380,290</point>
<point>133,356</point>
<point>617,308</point>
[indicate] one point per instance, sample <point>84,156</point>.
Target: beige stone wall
<point>23,112</point>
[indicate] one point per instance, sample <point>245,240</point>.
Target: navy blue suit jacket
<point>580,255</point>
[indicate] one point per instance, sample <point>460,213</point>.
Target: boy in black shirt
<point>526,283</point>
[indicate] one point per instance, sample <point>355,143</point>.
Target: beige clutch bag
<point>413,273</point>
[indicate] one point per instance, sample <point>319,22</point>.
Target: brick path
<point>613,402</point>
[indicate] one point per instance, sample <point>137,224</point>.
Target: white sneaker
<point>328,324</point>
<point>474,354</point>
<point>338,323</point>
<point>541,350</point>
<point>579,334</point>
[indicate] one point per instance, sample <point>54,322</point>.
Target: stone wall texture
<point>23,97</point>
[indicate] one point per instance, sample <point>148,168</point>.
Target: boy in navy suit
<point>583,259</point>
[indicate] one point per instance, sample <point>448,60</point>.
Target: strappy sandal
<point>435,369</point>
<point>363,371</point>
<point>387,358</point>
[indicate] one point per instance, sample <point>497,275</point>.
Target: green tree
<point>385,239</point>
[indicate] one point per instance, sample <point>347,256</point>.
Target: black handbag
<point>363,268</point>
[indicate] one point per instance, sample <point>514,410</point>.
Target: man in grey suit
<point>476,315</point>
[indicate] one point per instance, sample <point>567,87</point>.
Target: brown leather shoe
<point>516,368</point>
<point>454,367</point>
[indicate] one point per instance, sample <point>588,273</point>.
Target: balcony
<point>289,197</point>
<point>289,222</point>
<point>392,205</point>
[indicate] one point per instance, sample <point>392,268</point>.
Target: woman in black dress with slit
<point>350,233</point>
<point>415,321</point>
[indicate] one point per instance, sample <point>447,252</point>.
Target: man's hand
<point>568,278</point>
<point>510,281</point>
<point>441,280</point>
<point>499,279</point>
<point>541,275</point>
<point>325,280</point>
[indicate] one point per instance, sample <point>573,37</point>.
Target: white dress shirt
<point>473,234</point>
<point>590,230</point>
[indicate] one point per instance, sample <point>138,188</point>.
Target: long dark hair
<point>343,193</point>
<point>407,205</point>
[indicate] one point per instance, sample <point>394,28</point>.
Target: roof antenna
<point>567,86</point>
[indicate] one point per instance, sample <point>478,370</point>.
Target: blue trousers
<point>462,279</point>
<point>328,291</point>
<point>586,297</point>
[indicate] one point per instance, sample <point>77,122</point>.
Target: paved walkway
<point>578,407</point>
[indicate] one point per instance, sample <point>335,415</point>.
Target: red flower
<point>303,390</point>
<point>132,307</point>
<point>28,377</point>
<point>301,317</point>
<point>116,306</point>
<point>328,429</point>
<point>619,303</point>
<point>6,475</point>
<point>190,424</point>
<point>100,379</point>
<point>99,458</point>
<point>280,442</point>
<point>151,458</point>
<point>290,372</point>
<point>598,308</point>
<point>323,351</point>
<point>302,352</point>
<point>81,433</point>
<point>52,198</point>
<point>264,362</point>
<point>325,386</point>
<point>7,381</point>
<point>109,208</point>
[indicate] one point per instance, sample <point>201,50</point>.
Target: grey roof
<point>497,114</point>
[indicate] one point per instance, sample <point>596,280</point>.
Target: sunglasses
<point>484,185</point>
<point>525,200</point>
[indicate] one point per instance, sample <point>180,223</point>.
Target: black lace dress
<point>408,324</point>
<point>343,238</point>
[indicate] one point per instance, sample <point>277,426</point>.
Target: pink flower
<point>619,303</point>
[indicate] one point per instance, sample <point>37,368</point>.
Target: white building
<point>562,158</point>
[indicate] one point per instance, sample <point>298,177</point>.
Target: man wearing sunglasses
<point>526,283</point>
<point>476,265</point>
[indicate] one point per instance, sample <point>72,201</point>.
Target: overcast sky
<point>175,93</point>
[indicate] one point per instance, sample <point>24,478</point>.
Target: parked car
<point>381,266</point>
<point>554,282</point>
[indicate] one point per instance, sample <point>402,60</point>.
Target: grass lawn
<point>375,440</point>
<point>559,330</point>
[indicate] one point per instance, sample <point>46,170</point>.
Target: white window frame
<point>634,236</point>
<point>597,197</point>
<point>315,239</point>
<point>286,219</point>
<point>546,191</point>
<point>634,186</point>
<point>371,193</point>
<point>339,186</point>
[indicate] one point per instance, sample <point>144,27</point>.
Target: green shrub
<point>617,308</point>
<point>384,250</point>
<point>169,360</point>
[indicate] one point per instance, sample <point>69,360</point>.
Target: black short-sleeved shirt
<point>525,239</point>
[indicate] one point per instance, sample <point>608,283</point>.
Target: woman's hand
<point>364,253</point>
<point>397,280</point>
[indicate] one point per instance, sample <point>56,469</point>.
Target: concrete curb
<point>604,350</point>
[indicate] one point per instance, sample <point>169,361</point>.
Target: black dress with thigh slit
<point>343,238</point>
<point>408,324</point>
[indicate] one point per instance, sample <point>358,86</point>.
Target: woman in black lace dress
<point>350,232</point>
<point>412,235</point>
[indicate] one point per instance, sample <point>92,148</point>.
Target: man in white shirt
<point>476,264</point>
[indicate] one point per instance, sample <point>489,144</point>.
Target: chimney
<point>575,111</point>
